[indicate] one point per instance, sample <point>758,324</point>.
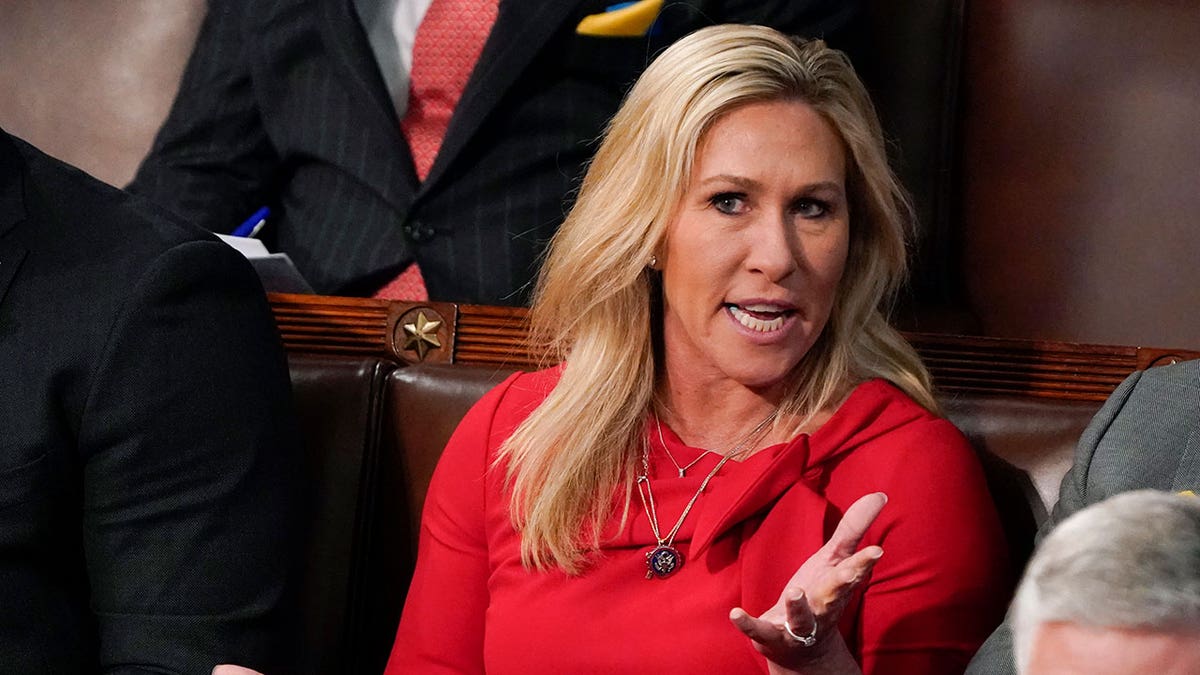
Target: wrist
<point>827,657</point>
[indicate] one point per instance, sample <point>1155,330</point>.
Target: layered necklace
<point>664,559</point>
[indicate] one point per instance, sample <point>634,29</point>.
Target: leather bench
<point>340,405</point>
<point>374,432</point>
<point>380,389</point>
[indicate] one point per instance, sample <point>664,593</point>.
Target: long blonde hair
<point>592,306</point>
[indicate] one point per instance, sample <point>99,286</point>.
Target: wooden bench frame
<point>439,332</point>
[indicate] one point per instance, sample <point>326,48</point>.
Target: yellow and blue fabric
<point>625,19</point>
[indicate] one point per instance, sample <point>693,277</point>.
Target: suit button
<point>418,232</point>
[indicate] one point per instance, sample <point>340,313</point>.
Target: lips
<point>760,317</point>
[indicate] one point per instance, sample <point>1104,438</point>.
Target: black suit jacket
<point>146,446</point>
<point>283,104</point>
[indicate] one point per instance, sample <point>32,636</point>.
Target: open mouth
<point>760,318</point>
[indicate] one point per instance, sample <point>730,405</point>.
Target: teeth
<point>770,309</point>
<point>755,323</point>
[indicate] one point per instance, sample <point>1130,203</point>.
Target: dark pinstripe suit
<point>282,104</point>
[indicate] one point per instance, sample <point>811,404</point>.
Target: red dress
<point>936,594</point>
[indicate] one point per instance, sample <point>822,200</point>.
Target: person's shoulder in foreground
<point>1147,435</point>
<point>147,467</point>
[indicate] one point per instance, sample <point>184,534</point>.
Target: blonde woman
<point>709,480</point>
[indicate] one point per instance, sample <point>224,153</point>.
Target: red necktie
<point>448,43</point>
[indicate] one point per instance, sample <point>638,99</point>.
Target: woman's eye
<point>811,208</point>
<point>728,203</point>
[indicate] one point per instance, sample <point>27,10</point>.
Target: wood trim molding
<point>1034,368</point>
<point>430,332</point>
<point>404,332</point>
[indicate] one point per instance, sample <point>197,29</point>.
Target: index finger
<point>855,522</point>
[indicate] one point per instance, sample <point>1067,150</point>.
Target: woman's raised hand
<point>799,633</point>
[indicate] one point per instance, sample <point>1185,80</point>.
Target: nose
<point>772,248</point>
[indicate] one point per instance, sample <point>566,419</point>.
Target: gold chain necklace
<point>664,559</point>
<point>663,442</point>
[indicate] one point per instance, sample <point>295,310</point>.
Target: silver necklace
<point>664,559</point>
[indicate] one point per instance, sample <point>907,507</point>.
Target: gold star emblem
<point>421,335</point>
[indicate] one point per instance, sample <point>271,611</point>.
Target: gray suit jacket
<point>1147,435</point>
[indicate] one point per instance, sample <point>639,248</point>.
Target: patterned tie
<point>448,43</point>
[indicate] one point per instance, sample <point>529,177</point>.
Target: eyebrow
<point>740,181</point>
<point>748,183</point>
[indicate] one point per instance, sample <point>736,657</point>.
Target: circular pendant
<point>663,561</point>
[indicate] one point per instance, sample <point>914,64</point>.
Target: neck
<point>719,418</point>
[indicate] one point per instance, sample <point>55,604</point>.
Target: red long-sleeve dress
<point>933,598</point>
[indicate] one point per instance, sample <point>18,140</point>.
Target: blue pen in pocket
<point>253,224</point>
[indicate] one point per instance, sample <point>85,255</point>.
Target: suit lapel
<point>522,28</point>
<point>351,51</point>
<point>12,209</point>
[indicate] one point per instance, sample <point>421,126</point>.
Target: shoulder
<point>880,416</point>
<point>1174,386</point>
<point>473,447</point>
<point>933,479</point>
<point>526,388</point>
<point>1151,395</point>
<point>503,408</point>
<point>938,497</point>
<point>94,255</point>
<point>1161,402</point>
<point>1151,401</point>
<point>101,229</point>
<point>1166,398</point>
<point>1143,436</point>
<point>884,436</point>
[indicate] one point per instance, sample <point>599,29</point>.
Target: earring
<point>653,262</point>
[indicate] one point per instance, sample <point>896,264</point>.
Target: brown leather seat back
<point>1026,444</point>
<point>339,401</point>
<point>424,404</point>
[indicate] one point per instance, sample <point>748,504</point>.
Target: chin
<point>767,378</point>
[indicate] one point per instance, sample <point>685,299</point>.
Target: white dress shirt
<point>391,27</point>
